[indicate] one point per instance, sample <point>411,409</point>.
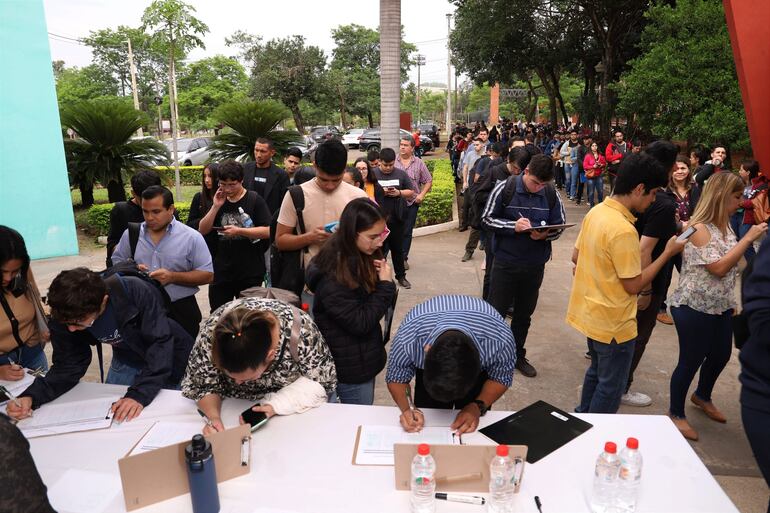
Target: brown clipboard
<point>459,468</point>
<point>161,474</point>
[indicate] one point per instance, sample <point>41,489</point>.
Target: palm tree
<point>390,71</point>
<point>104,148</point>
<point>249,121</point>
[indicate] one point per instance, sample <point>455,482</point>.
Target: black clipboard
<point>543,428</point>
<point>550,227</point>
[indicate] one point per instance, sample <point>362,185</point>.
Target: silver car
<point>192,152</point>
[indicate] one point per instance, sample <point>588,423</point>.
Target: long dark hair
<point>207,196</point>
<point>340,257</point>
<point>12,246</point>
<point>370,178</point>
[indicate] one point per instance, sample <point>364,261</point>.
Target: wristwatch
<point>482,407</point>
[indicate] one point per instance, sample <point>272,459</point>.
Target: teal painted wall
<point>34,189</point>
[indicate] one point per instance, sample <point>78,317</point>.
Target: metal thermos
<point>202,476</point>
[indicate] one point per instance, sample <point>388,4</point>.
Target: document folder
<point>540,426</point>
<point>161,474</point>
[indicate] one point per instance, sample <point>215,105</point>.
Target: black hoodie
<point>755,354</point>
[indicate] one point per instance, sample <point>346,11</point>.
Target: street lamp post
<point>420,62</point>
<point>448,76</point>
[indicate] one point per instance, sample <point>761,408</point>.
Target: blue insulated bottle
<point>202,476</point>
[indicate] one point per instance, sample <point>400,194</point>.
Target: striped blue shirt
<point>470,315</point>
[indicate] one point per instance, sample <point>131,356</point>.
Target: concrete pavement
<point>555,349</point>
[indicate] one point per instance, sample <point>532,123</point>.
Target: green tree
<point>206,84</point>
<point>104,149</point>
<point>355,69</point>
<point>77,84</point>
<point>175,28</point>
<point>248,121</point>
<point>684,84</point>
<point>284,69</point>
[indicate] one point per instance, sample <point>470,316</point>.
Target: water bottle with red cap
<point>630,476</point>
<point>501,482</point>
<point>423,498</point>
<point>604,497</point>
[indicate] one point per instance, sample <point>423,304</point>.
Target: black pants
<point>560,175</point>
<point>489,262</point>
<point>225,291</point>
<point>580,186</point>
<point>187,313</point>
<point>756,424</point>
<point>461,204</point>
<point>467,216</point>
<point>423,400</point>
<point>394,244</point>
<point>517,285</point>
<point>645,323</point>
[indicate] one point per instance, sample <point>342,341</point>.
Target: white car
<point>350,139</point>
<point>192,152</point>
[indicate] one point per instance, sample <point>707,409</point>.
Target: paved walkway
<point>556,350</point>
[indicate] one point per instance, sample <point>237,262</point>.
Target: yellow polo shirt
<point>608,250</point>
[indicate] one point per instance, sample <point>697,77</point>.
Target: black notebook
<point>543,428</point>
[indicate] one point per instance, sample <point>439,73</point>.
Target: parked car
<point>319,133</point>
<point>192,152</point>
<point>304,143</point>
<point>371,140</point>
<point>431,131</point>
<point>350,139</point>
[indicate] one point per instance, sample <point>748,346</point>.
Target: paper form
<point>17,387</point>
<point>80,491</point>
<point>59,418</point>
<point>163,434</point>
<point>375,444</point>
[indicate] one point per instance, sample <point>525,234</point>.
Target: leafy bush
<point>188,175</point>
<point>97,217</point>
<point>437,207</point>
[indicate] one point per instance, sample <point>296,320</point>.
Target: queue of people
<point>341,222</point>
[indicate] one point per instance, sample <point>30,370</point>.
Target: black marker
<point>538,504</point>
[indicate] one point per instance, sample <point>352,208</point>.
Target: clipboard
<point>459,468</point>
<point>550,227</point>
<point>541,426</point>
<point>155,476</point>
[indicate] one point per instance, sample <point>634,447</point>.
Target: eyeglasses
<point>81,324</point>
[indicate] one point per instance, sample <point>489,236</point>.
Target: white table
<point>302,463</point>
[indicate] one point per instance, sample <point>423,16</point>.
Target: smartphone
<point>686,234</point>
<point>331,227</point>
<point>256,419</point>
<point>218,228</point>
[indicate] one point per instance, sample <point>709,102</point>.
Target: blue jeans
<point>568,179</point>
<point>705,343</point>
<point>606,377</point>
<point>595,184</point>
<point>358,393</point>
<point>121,373</point>
<point>409,222</point>
<point>573,179</point>
<point>740,230</point>
<point>28,357</point>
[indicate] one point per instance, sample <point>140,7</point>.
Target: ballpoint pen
<point>11,397</point>
<point>538,504</point>
<point>206,419</point>
<point>409,400</point>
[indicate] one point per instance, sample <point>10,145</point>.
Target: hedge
<point>98,216</point>
<point>437,206</point>
<point>188,175</point>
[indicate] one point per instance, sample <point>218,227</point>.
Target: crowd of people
<point>324,233</point>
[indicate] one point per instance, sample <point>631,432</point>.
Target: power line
<point>79,40</point>
<point>429,41</point>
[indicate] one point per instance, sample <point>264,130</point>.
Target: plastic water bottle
<point>604,498</point>
<point>423,498</point>
<point>245,218</point>
<point>630,475</point>
<point>501,485</point>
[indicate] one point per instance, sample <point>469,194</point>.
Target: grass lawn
<point>100,194</point>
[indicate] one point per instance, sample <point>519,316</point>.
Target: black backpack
<point>130,268</point>
<point>287,268</point>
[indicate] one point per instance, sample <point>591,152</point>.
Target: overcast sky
<point>424,24</point>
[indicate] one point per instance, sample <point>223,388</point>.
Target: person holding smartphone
<point>704,301</point>
<point>244,350</point>
<point>354,288</point>
<point>23,327</point>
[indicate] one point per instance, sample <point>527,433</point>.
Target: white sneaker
<point>636,399</point>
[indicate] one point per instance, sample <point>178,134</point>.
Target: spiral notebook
<point>542,427</point>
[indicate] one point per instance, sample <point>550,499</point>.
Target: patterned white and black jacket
<point>314,362</point>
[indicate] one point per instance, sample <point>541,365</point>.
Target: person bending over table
<point>149,350</point>
<point>462,355</point>
<point>244,351</point>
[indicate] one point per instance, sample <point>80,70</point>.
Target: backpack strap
<point>12,318</point>
<point>510,187</point>
<point>550,194</point>
<point>296,330</point>
<point>133,237</point>
<point>251,200</point>
<point>298,198</point>
<point>101,360</point>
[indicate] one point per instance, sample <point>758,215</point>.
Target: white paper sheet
<point>80,491</point>
<point>59,418</point>
<point>17,387</point>
<point>163,434</point>
<point>375,445</point>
